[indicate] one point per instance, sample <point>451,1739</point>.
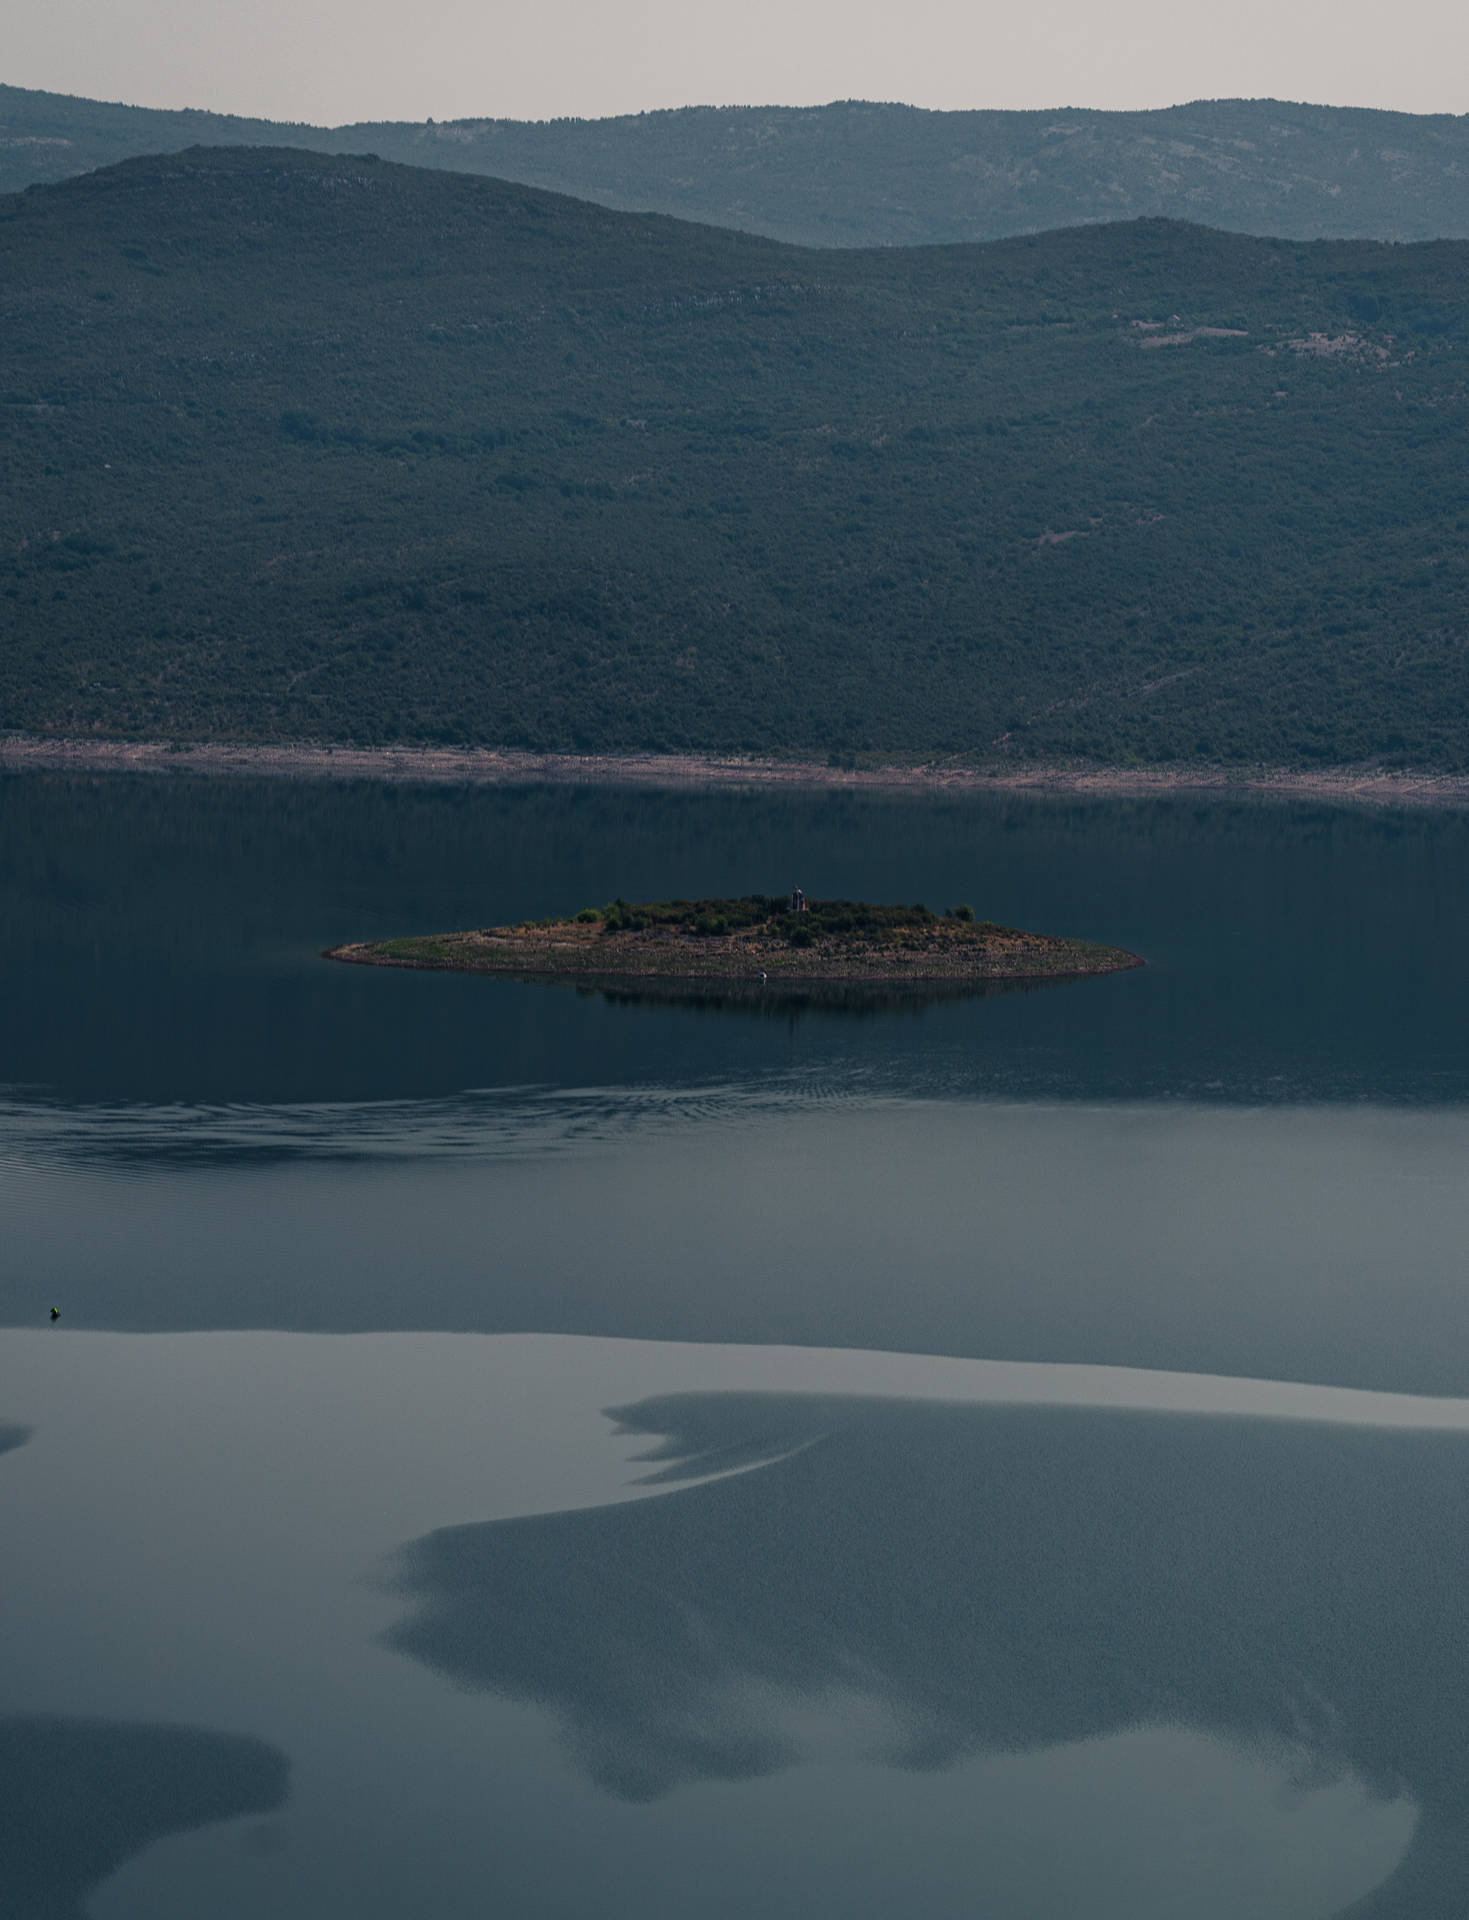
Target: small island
<point>777,939</point>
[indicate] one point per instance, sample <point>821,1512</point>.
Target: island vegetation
<point>758,938</point>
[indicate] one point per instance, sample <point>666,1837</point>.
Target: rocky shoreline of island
<point>757,940</point>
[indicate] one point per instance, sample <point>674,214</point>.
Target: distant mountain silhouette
<point>858,173</point>
<point>999,1580</point>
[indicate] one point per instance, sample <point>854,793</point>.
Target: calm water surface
<point>507,1449</point>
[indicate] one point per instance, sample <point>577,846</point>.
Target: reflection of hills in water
<point>772,1002</point>
<point>12,1436</point>
<point>998,1579</point>
<point>79,1797</point>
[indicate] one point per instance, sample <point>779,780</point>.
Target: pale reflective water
<point>333,1588</point>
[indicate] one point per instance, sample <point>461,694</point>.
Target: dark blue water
<point>332,1588</point>
<point>159,938</point>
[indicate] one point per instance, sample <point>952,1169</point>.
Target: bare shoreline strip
<point>819,974</point>
<point>921,951</point>
<point>510,766</point>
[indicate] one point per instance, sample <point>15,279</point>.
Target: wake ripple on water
<point>480,1124</point>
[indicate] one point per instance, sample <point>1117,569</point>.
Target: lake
<point>514,1448</point>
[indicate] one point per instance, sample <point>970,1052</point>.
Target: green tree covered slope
<point>858,173</point>
<point>297,447</point>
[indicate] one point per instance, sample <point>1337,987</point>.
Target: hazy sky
<point>336,60</point>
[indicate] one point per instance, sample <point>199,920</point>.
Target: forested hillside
<point>297,447</point>
<point>858,174</point>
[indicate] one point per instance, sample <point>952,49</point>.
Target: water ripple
<point>479,1124</point>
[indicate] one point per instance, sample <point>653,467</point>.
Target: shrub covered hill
<point>299,447</point>
<point>860,173</point>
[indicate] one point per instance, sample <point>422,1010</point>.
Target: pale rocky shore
<point>508,766</point>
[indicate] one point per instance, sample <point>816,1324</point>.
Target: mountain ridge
<point>336,450</point>
<point>861,173</point>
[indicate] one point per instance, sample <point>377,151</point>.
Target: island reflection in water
<point>850,998</point>
<point>994,1579</point>
<point>79,1797</point>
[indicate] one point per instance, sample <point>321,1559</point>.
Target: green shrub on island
<point>755,938</point>
<point>718,919</point>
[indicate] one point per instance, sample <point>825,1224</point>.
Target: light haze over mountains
<point>855,173</point>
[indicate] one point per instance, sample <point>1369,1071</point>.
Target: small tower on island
<point>798,900</point>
